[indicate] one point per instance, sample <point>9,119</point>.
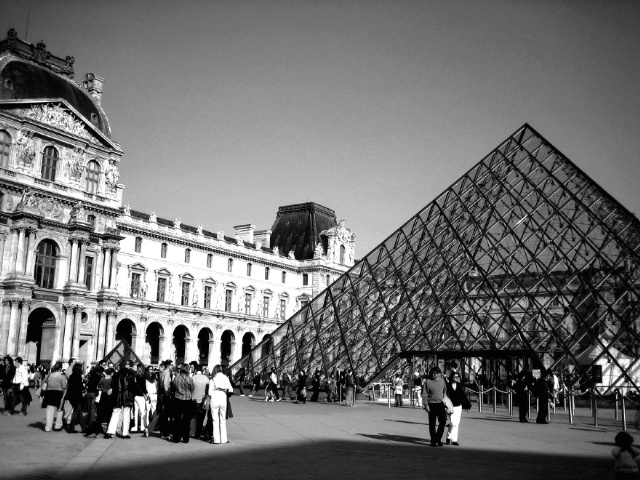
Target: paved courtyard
<point>282,440</point>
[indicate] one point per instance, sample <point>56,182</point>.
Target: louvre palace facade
<point>79,270</point>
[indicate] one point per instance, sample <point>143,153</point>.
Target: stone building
<point>79,272</point>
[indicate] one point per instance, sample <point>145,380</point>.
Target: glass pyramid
<point>523,262</point>
<point>121,353</point>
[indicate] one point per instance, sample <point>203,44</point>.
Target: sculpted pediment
<point>59,114</point>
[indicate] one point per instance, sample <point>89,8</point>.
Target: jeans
<point>140,411</point>
<point>19,396</point>
<point>437,412</point>
<point>350,396</point>
<point>91,407</point>
<point>398,400</point>
<point>183,410</point>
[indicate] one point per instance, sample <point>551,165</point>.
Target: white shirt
<point>220,382</point>
<point>21,377</point>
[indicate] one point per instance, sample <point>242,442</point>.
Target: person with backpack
<point>626,457</point>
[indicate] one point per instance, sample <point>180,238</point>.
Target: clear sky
<point>226,110</point>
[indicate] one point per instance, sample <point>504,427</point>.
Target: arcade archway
<point>40,336</point>
<point>205,343</point>
<point>125,330</point>
<point>152,344</point>
<point>180,339</point>
<point>227,345</point>
<point>248,342</point>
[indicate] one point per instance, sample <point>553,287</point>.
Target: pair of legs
<point>523,406</point>
<point>398,400</point>
<point>53,412</point>
<point>183,411</point>
<point>543,410</point>
<point>20,396</point>
<point>115,417</point>
<point>437,413</point>
<point>452,434</point>
<point>140,414</point>
<point>76,417</point>
<point>351,391</point>
<point>219,417</point>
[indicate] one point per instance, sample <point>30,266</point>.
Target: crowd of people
<point>180,402</point>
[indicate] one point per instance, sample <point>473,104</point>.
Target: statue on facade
<point>199,229</point>
<point>153,218</point>
<point>220,235</point>
<point>143,289</point>
<point>75,164</point>
<point>111,176</point>
<point>319,251</point>
<point>28,200</point>
<point>177,223</point>
<point>127,209</point>
<point>292,254</point>
<point>77,212</point>
<point>195,297</point>
<point>276,250</point>
<point>26,148</point>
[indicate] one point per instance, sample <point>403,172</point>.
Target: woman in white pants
<point>458,396</point>
<point>219,385</point>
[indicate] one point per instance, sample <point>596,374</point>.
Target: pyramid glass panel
<point>524,259</point>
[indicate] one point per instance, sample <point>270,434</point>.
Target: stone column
<point>77,320</point>
<point>217,342</point>
<point>110,317</point>
<point>31,253</point>
<point>67,338</point>
<point>13,246</point>
<point>73,261</point>
<point>24,325</point>
<point>57,342</point>
<point>4,326</point>
<point>62,269</point>
<point>13,328</point>
<point>99,353</point>
<point>20,254</point>
<point>81,260</point>
<point>114,269</point>
<point>161,348</point>
<point>236,351</point>
<point>106,272</point>
<point>212,358</point>
<point>99,269</point>
<point>168,344</point>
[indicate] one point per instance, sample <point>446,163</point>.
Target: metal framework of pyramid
<point>120,353</point>
<point>523,257</point>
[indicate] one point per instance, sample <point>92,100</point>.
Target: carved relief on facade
<point>75,164</point>
<point>26,144</point>
<point>58,116</point>
<point>46,206</point>
<point>77,213</point>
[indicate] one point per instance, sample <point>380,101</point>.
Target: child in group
<point>626,456</point>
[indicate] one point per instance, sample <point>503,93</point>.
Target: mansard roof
<point>297,228</point>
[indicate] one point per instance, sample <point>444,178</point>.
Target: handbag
<point>205,404</point>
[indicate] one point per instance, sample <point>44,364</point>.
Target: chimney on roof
<point>245,232</point>
<point>263,236</point>
<point>94,85</point>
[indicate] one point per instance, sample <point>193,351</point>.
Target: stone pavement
<point>284,440</point>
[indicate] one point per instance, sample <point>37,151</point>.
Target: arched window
<point>266,273</point>
<point>163,250</point>
<point>5,146</point>
<point>187,255</point>
<point>230,265</point>
<point>249,269</point>
<point>209,259</point>
<point>93,177</point>
<point>49,164</point>
<point>45,272</point>
<point>342,252</point>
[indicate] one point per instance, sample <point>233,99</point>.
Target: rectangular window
<point>209,260</point>
<point>305,279</point>
<point>283,308</point>
<point>230,265</point>
<point>247,303</point>
<point>185,293</point>
<point>187,255</point>
<point>88,271</point>
<point>138,244</point>
<point>266,273</point>
<point>162,289</point>
<point>135,285</point>
<point>303,303</point>
<point>265,306</point>
<point>284,277</point>
<point>228,295</point>
<point>207,296</point>
<point>163,250</point>
<point>248,269</point>
<point>328,280</point>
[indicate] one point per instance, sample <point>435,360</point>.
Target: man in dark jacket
<point>541,390</point>
<point>122,387</point>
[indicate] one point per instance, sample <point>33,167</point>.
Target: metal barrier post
<point>528,404</point>
<point>388,395</point>
<point>617,394</point>
<point>480,399</point>
<point>510,402</point>
<point>624,415</point>
<point>595,408</point>
<point>495,399</point>
<point>570,409</point>
<point>564,399</point>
